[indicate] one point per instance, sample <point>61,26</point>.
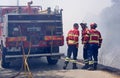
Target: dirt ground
<point>76,74</point>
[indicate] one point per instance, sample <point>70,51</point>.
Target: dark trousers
<point>72,49</point>
<point>93,53</point>
<point>85,54</point>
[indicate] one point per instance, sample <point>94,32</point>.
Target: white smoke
<point>110,20</point>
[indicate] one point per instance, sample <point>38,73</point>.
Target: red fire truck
<point>30,31</point>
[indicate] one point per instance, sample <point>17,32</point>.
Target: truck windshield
<point>24,29</point>
<point>33,29</point>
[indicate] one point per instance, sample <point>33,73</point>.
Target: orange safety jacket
<point>85,35</point>
<point>95,37</point>
<point>73,37</point>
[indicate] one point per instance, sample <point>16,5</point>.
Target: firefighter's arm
<point>77,38</point>
<point>82,40</point>
<point>77,45</point>
<point>67,39</point>
<point>87,36</point>
<point>100,40</point>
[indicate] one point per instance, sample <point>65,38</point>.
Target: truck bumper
<point>35,55</point>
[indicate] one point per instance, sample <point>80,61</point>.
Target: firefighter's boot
<point>85,66</point>
<point>95,66</point>
<point>65,65</point>
<point>75,66</point>
<point>91,67</point>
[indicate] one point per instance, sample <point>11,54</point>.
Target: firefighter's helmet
<point>93,25</point>
<point>85,24</point>
<point>76,26</point>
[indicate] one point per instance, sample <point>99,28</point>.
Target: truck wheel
<point>51,60</point>
<point>4,64</point>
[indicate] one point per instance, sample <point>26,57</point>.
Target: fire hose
<point>25,65</point>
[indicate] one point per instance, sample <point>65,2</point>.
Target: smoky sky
<point>110,19</point>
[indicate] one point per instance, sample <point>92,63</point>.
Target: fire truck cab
<point>30,31</point>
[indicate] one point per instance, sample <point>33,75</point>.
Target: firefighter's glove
<point>77,45</point>
<point>67,43</point>
<point>99,46</point>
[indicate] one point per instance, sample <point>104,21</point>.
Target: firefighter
<point>94,44</point>
<point>85,38</point>
<point>72,42</point>
<point>29,9</point>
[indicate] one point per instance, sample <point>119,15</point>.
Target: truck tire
<point>51,61</point>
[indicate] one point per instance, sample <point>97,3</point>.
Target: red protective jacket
<point>95,37</point>
<point>85,35</point>
<point>73,37</point>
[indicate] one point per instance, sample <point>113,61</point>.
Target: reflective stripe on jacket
<point>85,35</point>
<point>95,36</point>
<point>72,37</point>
